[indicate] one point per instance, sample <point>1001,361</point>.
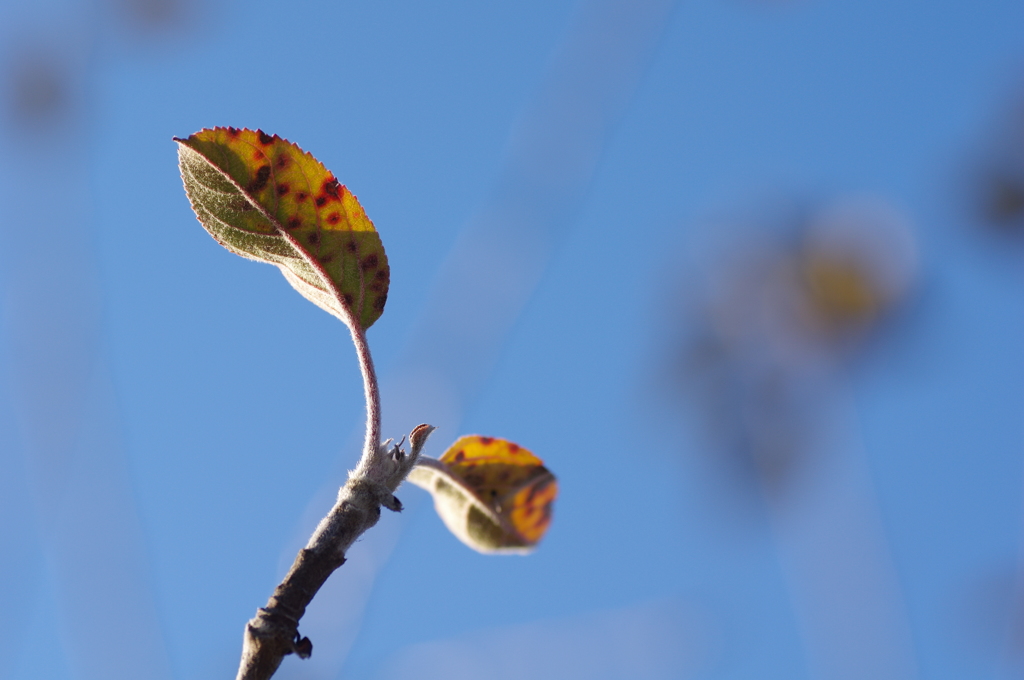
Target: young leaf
<point>495,496</point>
<point>263,198</point>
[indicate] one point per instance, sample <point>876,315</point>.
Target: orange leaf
<point>494,495</point>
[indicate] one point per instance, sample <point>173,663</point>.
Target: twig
<point>274,632</point>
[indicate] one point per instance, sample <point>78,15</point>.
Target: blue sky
<point>551,180</point>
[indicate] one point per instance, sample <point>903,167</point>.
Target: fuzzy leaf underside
<point>494,495</point>
<point>265,199</point>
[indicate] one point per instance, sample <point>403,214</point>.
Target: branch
<point>274,632</point>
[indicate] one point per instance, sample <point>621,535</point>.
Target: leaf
<point>264,198</point>
<point>494,495</point>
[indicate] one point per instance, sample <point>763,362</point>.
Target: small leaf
<point>264,198</point>
<point>495,496</point>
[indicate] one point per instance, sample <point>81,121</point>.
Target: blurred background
<point>746,274</point>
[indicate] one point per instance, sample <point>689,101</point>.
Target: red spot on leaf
<point>265,139</point>
<point>369,262</point>
<point>486,441</point>
<point>333,218</point>
<point>282,189</point>
<point>258,155</point>
<point>282,162</point>
<point>348,299</point>
<point>513,448</point>
<point>460,456</point>
<point>352,246</point>
<point>260,180</point>
<point>379,303</point>
<point>294,223</point>
<point>314,238</point>
<point>321,201</point>
<point>381,274</point>
<point>331,187</point>
<point>301,196</point>
<point>233,131</point>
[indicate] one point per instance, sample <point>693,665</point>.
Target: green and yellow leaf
<point>494,495</point>
<point>264,198</point>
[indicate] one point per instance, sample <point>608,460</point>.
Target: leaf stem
<point>371,447</point>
